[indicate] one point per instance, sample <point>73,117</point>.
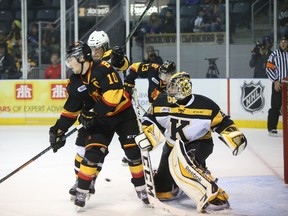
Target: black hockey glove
<point>57,139</point>
<point>129,88</point>
<point>87,118</point>
<point>117,57</point>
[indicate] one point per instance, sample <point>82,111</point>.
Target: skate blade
<point>72,198</point>
<point>78,209</point>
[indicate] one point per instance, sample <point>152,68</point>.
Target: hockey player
<point>157,76</point>
<point>187,121</point>
<point>99,43</point>
<point>97,96</point>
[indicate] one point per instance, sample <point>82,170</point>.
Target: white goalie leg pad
<point>191,179</point>
<point>150,138</point>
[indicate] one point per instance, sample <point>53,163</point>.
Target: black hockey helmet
<point>166,70</point>
<point>79,49</point>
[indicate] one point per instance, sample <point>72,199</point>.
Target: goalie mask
<point>98,39</point>
<point>166,70</point>
<point>78,50</point>
<point>179,87</point>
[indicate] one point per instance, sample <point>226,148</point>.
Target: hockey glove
<point>87,118</point>
<point>235,140</point>
<point>129,88</point>
<point>117,57</point>
<point>57,139</point>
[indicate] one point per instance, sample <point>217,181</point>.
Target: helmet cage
<point>179,87</point>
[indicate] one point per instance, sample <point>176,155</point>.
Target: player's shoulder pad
<point>106,55</point>
<point>135,66</point>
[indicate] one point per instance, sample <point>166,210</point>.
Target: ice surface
<point>253,180</point>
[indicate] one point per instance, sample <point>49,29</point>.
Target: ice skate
<point>73,191</point>
<point>80,199</point>
<point>91,189</point>
<point>220,202</point>
<point>124,161</point>
<point>142,194</point>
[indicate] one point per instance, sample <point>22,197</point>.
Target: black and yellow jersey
<point>100,88</point>
<point>190,122</point>
<point>149,71</point>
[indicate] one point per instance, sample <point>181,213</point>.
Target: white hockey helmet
<point>99,39</point>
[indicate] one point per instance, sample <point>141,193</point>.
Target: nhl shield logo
<point>252,98</point>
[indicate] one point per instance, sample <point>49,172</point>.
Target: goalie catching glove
<point>149,138</point>
<point>234,139</point>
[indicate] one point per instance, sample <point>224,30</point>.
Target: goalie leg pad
<point>190,178</point>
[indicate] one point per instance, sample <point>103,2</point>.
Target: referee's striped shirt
<point>277,65</point>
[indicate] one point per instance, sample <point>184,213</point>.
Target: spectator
<point>217,17</point>
<point>17,53</point>
<point>151,56</point>
<point>260,55</point>
<point>276,69</point>
<point>168,24</point>
<point>8,68</point>
<point>50,42</point>
<point>283,18</point>
<point>199,25</point>
<point>153,26</point>
<point>53,71</point>
<point>14,35</point>
<point>2,36</point>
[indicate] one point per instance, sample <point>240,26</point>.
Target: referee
<point>276,70</point>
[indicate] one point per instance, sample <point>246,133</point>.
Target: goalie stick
<point>150,2</point>
<point>36,156</point>
<point>148,173</point>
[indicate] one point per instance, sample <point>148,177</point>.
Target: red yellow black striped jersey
<point>100,89</point>
<point>149,71</point>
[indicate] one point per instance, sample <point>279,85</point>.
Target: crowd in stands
<point>195,16</point>
<point>11,40</point>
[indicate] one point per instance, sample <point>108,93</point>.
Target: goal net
<point>285,126</point>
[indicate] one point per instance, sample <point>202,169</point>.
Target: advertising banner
<point>247,101</point>
<point>31,101</point>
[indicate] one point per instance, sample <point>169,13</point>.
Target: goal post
<point>285,127</point>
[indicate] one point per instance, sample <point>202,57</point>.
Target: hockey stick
<point>37,156</point>
<point>148,173</point>
<point>150,2</point>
